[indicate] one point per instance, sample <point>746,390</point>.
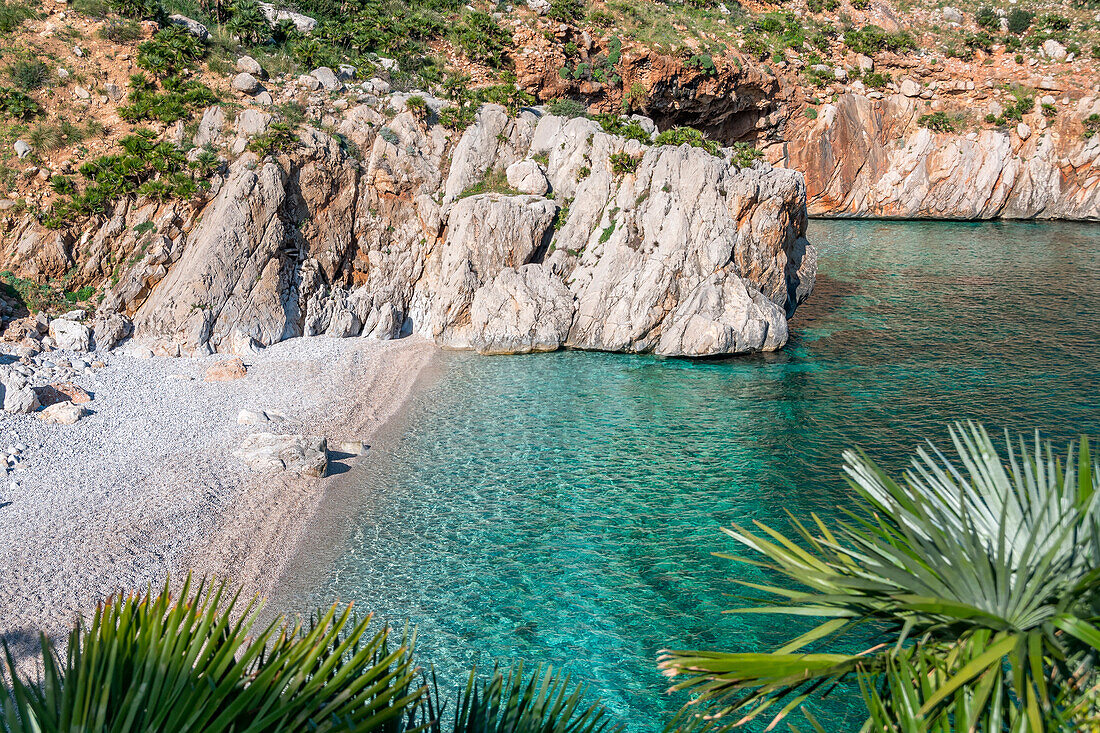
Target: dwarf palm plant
<point>145,663</point>
<point>153,663</point>
<point>972,587</point>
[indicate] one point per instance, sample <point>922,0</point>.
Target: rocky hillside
<point>522,233</point>
<point>630,175</point>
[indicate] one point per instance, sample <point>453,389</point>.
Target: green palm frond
<point>147,663</point>
<point>998,557</point>
<point>544,702</point>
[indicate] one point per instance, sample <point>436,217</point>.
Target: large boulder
<point>527,176</point>
<point>686,230</point>
<point>302,23</point>
<point>723,315</point>
<point>486,234</point>
<point>110,330</point>
<point>20,400</point>
<point>302,454</point>
<point>62,413</point>
<point>192,26</point>
<point>70,335</point>
<point>522,310</point>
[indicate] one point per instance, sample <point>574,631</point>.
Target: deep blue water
<point>563,508</point>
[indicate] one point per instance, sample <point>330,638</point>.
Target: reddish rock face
<point>872,157</point>
<point>52,394</point>
<point>226,371</point>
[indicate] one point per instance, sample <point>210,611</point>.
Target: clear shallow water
<point>563,508</point>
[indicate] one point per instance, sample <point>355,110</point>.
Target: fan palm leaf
<point>148,663</point>
<point>993,564</point>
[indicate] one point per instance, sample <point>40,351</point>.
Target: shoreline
<point>326,532</point>
<point>146,485</point>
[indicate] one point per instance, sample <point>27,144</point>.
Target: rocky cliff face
<point>870,157</point>
<point>520,234</point>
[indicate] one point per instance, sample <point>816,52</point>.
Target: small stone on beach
<point>226,371</point>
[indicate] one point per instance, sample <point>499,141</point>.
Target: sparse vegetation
<point>279,136</point>
<point>1092,125</point>
<point>28,74</point>
<point>1019,20</point>
<point>178,100</point>
<point>623,163</point>
<point>744,155</point>
<point>137,9</point>
<point>687,136</point>
<point>145,167</point>
<point>937,122</point>
<point>171,52</point>
<point>121,31</point>
<point>18,105</point>
<point>482,39</point>
<point>871,39</point>
<point>12,16</point>
<point>567,108</point>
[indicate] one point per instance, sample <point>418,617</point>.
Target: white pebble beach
<point>147,484</point>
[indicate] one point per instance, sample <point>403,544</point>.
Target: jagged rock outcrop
<point>868,157</point>
<point>522,310</point>
<point>621,247</point>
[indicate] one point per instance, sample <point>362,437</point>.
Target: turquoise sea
<point>563,508</point>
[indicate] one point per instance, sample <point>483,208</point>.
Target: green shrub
<point>987,18</point>
<point>623,163</point>
<point>12,16</point>
<point>279,136</point>
<point>566,11</point>
<point>206,163</point>
<point>172,51</point>
<point>145,167</point>
<point>418,106</point>
<point>616,125</point>
<point>687,136</point>
<point>137,9</point>
<point>248,23</point>
<point>819,77</point>
<point>810,113</point>
<point>482,39</point>
<point>51,136</point>
<point>177,102</point>
<point>754,45</point>
<point>455,118</point>
<point>93,8</point>
<point>567,108</point>
<point>28,75</point>
<point>1091,124</point>
<point>978,42</point>
<point>121,31</point>
<point>871,39</point>
<point>63,185</point>
<point>937,122</point>
<point>877,79</point>
<point>861,4</point>
<point>18,105</point>
<point>1019,20</point>
<point>507,95</point>
<point>81,295</point>
<point>818,6</point>
<point>744,155</point>
<point>704,62</point>
<point>1049,110</point>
